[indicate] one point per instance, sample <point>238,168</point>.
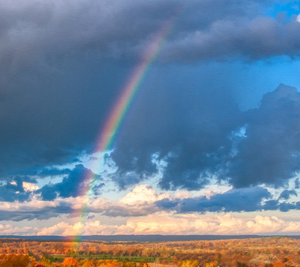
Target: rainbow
<point>130,89</point>
<point>120,109</point>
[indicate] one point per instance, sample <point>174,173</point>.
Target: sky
<point>207,140</point>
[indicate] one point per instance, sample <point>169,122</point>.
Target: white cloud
<point>33,205</point>
<point>30,186</point>
<point>9,230</point>
<point>143,193</point>
<point>164,223</point>
<point>167,223</point>
<point>57,229</point>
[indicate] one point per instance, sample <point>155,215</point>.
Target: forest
<point>266,251</point>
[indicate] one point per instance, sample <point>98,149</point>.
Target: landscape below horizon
<point>256,252</point>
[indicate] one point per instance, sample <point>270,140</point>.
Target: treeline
<point>86,248</point>
<point>20,260</point>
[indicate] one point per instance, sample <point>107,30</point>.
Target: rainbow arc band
<point>120,109</point>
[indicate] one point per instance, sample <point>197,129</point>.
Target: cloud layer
<point>54,28</point>
<point>211,144</point>
<point>144,201</point>
<point>164,223</point>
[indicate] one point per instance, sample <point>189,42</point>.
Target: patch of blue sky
<point>247,81</point>
<point>288,8</point>
<point>49,180</point>
<point>253,80</point>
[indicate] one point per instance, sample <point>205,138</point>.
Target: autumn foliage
<point>252,252</point>
<point>70,262</point>
<point>12,260</point>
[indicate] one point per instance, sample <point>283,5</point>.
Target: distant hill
<point>139,238</point>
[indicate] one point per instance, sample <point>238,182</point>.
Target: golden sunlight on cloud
<point>30,186</point>
<point>143,193</point>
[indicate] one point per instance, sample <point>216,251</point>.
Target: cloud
<point>51,29</point>
<point>191,152</point>
<point>286,194</point>
<point>30,186</point>
<point>270,152</point>
<point>17,190</point>
<point>140,202</point>
<point>32,214</point>
<point>73,185</point>
<point>224,224</point>
<point>256,38</point>
<point>10,230</point>
<point>62,229</point>
<point>234,200</point>
<point>45,172</point>
<point>188,132</point>
<point>144,201</point>
<point>35,207</point>
<point>142,193</point>
<point>62,70</point>
<point>14,190</point>
<point>166,223</point>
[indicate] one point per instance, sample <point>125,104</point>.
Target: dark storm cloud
<point>270,152</point>
<point>286,194</point>
<point>187,129</point>
<point>13,192</point>
<point>235,200</point>
<point>63,63</point>
<point>210,145</point>
<point>42,32</point>
<point>71,186</point>
<point>13,189</point>
<point>257,38</point>
<point>232,201</point>
<point>39,214</point>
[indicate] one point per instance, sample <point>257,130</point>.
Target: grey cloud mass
<point>195,150</point>
<point>13,192</point>
<point>286,194</point>
<point>44,33</point>
<point>71,186</point>
<point>187,132</point>
<point>39,214</point>
<point>249,199</point>
<point>63,64</point>
<point>235,200</point>
<point>270,151</point>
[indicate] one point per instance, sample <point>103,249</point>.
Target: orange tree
<point>13,260</point>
